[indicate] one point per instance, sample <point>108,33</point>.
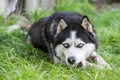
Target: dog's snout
<point>71,60</point>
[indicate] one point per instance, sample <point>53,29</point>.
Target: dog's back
<point>35,36</point>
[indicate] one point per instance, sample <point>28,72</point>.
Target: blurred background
<point>8,7</point>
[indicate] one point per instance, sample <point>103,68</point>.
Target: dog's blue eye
<point>80,45</point>
<point>66,45</point>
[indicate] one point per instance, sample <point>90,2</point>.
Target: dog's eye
<point>66,45</point>
<point>80,45</point>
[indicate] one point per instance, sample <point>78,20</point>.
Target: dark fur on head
<point>73,21</point>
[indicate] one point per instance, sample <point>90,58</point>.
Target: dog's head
<point>75,42</point>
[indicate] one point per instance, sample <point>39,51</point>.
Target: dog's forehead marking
<point>73,35</point>
<point>74,38</point>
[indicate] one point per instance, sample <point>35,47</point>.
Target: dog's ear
<point>61,25</point>
<point>85,23</point>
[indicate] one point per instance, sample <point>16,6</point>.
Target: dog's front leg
<point>53,54</point>
<point>57,59</point>
<point>101,63</point>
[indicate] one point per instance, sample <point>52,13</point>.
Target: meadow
<point>20,61</point>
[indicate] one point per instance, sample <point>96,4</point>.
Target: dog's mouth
<point>73,61</point>
<point>80,64</point>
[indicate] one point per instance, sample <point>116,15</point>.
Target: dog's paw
<point>106,66</point>
<point>98,66</point>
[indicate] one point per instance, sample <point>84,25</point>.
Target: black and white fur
<point>68,37</point>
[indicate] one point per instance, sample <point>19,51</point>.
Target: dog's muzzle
<point>72,61</point>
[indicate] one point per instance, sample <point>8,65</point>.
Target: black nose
<point>71,60</point>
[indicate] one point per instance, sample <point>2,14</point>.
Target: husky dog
<point>68,37</point>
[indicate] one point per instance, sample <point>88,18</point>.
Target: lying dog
<point>68,37</point>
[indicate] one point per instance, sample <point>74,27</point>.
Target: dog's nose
<point>71,60</point>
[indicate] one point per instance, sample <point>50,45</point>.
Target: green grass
<point>20,61</point>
